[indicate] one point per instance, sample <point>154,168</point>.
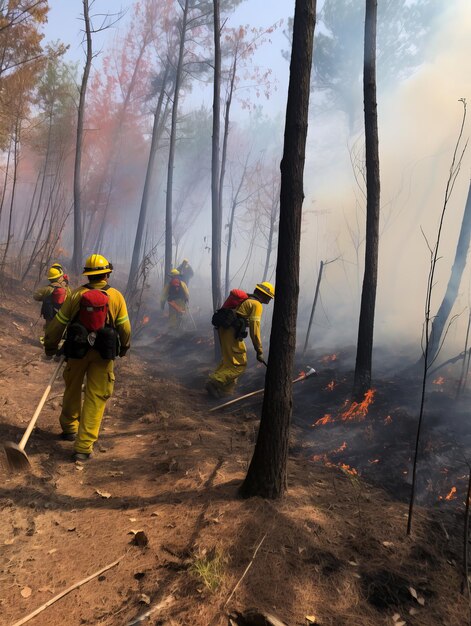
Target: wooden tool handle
<point>32,423</point>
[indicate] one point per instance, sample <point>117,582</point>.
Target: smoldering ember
<point>236,313</point>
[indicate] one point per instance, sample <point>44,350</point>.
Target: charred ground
<point>335,547</point>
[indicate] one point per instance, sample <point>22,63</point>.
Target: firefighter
<point>177,295</point>
<point>186,271</point>
<point>89,353</point>
<point>52,295</point>
<point>233,349</point>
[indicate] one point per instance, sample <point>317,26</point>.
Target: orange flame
<point>327,419</point>
<point>331,386</point>
<point>359,410</point>
<point>387,420</point>
<point>438,381</point>
<point>451,495</point>
<point>328,358</point>
<point>348,470</point>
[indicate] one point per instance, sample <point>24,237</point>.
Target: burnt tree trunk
<point>440,320</point>
<point>77,259</point>
<point>362,380</point>
<point>216,231</point>
<point>267,474</point>
<point>171,149</point>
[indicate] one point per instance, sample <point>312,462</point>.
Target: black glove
<point>122,351</point>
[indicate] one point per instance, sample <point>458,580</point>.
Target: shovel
<point>17,458</point>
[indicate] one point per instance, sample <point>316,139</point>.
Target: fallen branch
<point>245,571</point>
<point>64,593</point>
<point>161,605</point>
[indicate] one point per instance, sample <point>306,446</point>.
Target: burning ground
<point>334,548</point>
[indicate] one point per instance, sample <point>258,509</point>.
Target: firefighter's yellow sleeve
<point>252,311</point>
<point>120,317</point>
<point>42,293</point>
<point>164,296</point>
<point>185,291</point>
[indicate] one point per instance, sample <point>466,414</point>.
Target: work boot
<point>213,390</point>
<point>68,436</point>
<point>81,456</point>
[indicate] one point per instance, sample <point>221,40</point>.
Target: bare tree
<point>362,379</point>
<point>267,474</point>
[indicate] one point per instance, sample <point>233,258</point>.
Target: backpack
<point>89,328</point>
<point>226,316</point>
<point>93,309</point>
<point>53,302</point>
<point>174,289</point>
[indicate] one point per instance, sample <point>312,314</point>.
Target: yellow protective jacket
<point>43,292</point>
<point>252,310</point>
<point>185,296</point>
<point>117,311</point>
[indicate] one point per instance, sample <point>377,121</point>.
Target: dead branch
<point>246,570</point>
<point>64,593</point>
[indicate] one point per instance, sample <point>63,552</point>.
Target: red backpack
<point>93,309</point>
<point>53,302</point>
<point>235,299</point>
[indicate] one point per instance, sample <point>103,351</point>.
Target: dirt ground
<point>334,548</point>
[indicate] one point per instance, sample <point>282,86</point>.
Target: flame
<point>328,358</point>
<point>359,410</point>
<point>348,470</point>
<point>341,449</point>
<point>387,420</point>
<point>331,386</point>
<point>145,319</point>
<point>325,457</point>
<point>438,381</point>
<point>327,419</point>
<point>451,495</point>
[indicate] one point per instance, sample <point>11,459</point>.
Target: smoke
<point>419,120</point>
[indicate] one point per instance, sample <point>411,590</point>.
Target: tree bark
<point>362,379</point>
<point>439,321</point>
<point>171,150</point>
<point>216,231</point>
<point>267,474</point>
<point>77,260</point>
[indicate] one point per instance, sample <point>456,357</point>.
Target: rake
<point>17,458</point>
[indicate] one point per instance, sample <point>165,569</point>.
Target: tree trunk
<point>439,321</point>
<point>156,134</point>
<point>16,143</point>
<point>270,241</point>
<point>77,259</point>
<point>216,231</point>
<point>171,149</point>
<point>362,380</point>
<point>267,474</point>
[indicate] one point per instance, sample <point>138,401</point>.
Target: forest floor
<point>334,548</point>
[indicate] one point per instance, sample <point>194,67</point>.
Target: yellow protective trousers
<point>85,420</point>
<point>176,311</point>
<point>233,362</point>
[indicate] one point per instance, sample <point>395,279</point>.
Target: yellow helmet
<point>174,272</point>
<point>267,288</point>
<point>97,264</point>
<point>53,273</point>
<point>185,261</point>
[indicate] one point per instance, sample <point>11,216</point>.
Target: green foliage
<point>209,568</point>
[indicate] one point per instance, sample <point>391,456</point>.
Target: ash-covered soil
<point>334,547</point>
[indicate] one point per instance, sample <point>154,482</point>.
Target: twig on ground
<point>64,593</point>
<point>245,571</point>
<point>20,364</point>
